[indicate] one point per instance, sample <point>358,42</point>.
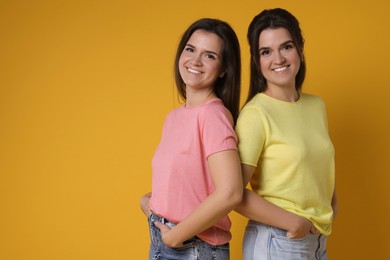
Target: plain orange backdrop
<point>85,87</point>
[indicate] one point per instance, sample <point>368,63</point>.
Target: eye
<point>210,56</point>
<point>189,49</point>
<point>288,47</point>
<point>264,52</point>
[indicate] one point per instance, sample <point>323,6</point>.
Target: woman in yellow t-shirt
<point>285,149</point>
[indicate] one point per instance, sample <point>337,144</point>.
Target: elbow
<point>229,198</point>
<point>235,197</point>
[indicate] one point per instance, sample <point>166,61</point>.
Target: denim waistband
<point>255,223</point>
<point>154,217</point>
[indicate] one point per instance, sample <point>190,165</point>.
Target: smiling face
<point>279,58</point>
<point>200,62</point>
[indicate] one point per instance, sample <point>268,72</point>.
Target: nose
<point>196,60</point>
<point>279,58</point>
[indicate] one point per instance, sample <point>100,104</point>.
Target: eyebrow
<point>283,44</point>
<point>210,52</point>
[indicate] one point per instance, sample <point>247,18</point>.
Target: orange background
<point>85,87</point>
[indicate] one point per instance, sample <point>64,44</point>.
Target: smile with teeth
<point>280,69</point>
<point>193,71</point>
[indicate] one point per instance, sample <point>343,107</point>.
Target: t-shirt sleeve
<point>217,130</point>
<point>251,135</point>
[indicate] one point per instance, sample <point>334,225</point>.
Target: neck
<point>287,95</point>
<point>198,98</point>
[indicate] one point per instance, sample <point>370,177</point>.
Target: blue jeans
<point>193,248</point>
<point>263,242</point>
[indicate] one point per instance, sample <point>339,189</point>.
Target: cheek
<point>181,59</point>
<point>294,56</point>
<point>182,62</point>
<point>263,65</point>
<point>217,71</point>
<point>181,66</point>
<point>218,68</point>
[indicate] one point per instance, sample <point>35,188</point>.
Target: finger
<point>148,213</point>
<point>161,226</point>
<point>292,235</point>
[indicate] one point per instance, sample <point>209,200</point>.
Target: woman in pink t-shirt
<point>197,178</point>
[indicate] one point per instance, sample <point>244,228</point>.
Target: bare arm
<point>257,208</point>
<point>226,176</point>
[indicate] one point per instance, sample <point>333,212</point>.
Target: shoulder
<point>258,100</point>
<point>255,107</point>
<point>311,97</point>
<point>174,112</point>
<point>214,104</point>
<point>215,110</point>
<point>312,100</point>
<point>254,115</point>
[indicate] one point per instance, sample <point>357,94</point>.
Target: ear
<point>222,74</point>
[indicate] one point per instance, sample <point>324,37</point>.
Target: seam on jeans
<point>269,240</point>
<point>256,231</point>
<point>318,247</point>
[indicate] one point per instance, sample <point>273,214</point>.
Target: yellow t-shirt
<point>289,144</point>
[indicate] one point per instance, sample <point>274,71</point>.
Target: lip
<point>193,71</point>
<point>281,69</point>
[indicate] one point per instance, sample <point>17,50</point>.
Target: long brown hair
<point>272,19</point>
<point>226,88</point>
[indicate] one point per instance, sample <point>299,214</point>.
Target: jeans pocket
<point>282,247</point>
<point>187,251</point>
<point>282,234</point>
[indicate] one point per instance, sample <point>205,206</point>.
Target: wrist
<point>170,239</point>
<point>295,222</point>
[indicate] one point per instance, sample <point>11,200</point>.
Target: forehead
<point>274,37</point>
<point>206,40</point>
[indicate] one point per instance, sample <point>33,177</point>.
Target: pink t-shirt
<point>181,178</point>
